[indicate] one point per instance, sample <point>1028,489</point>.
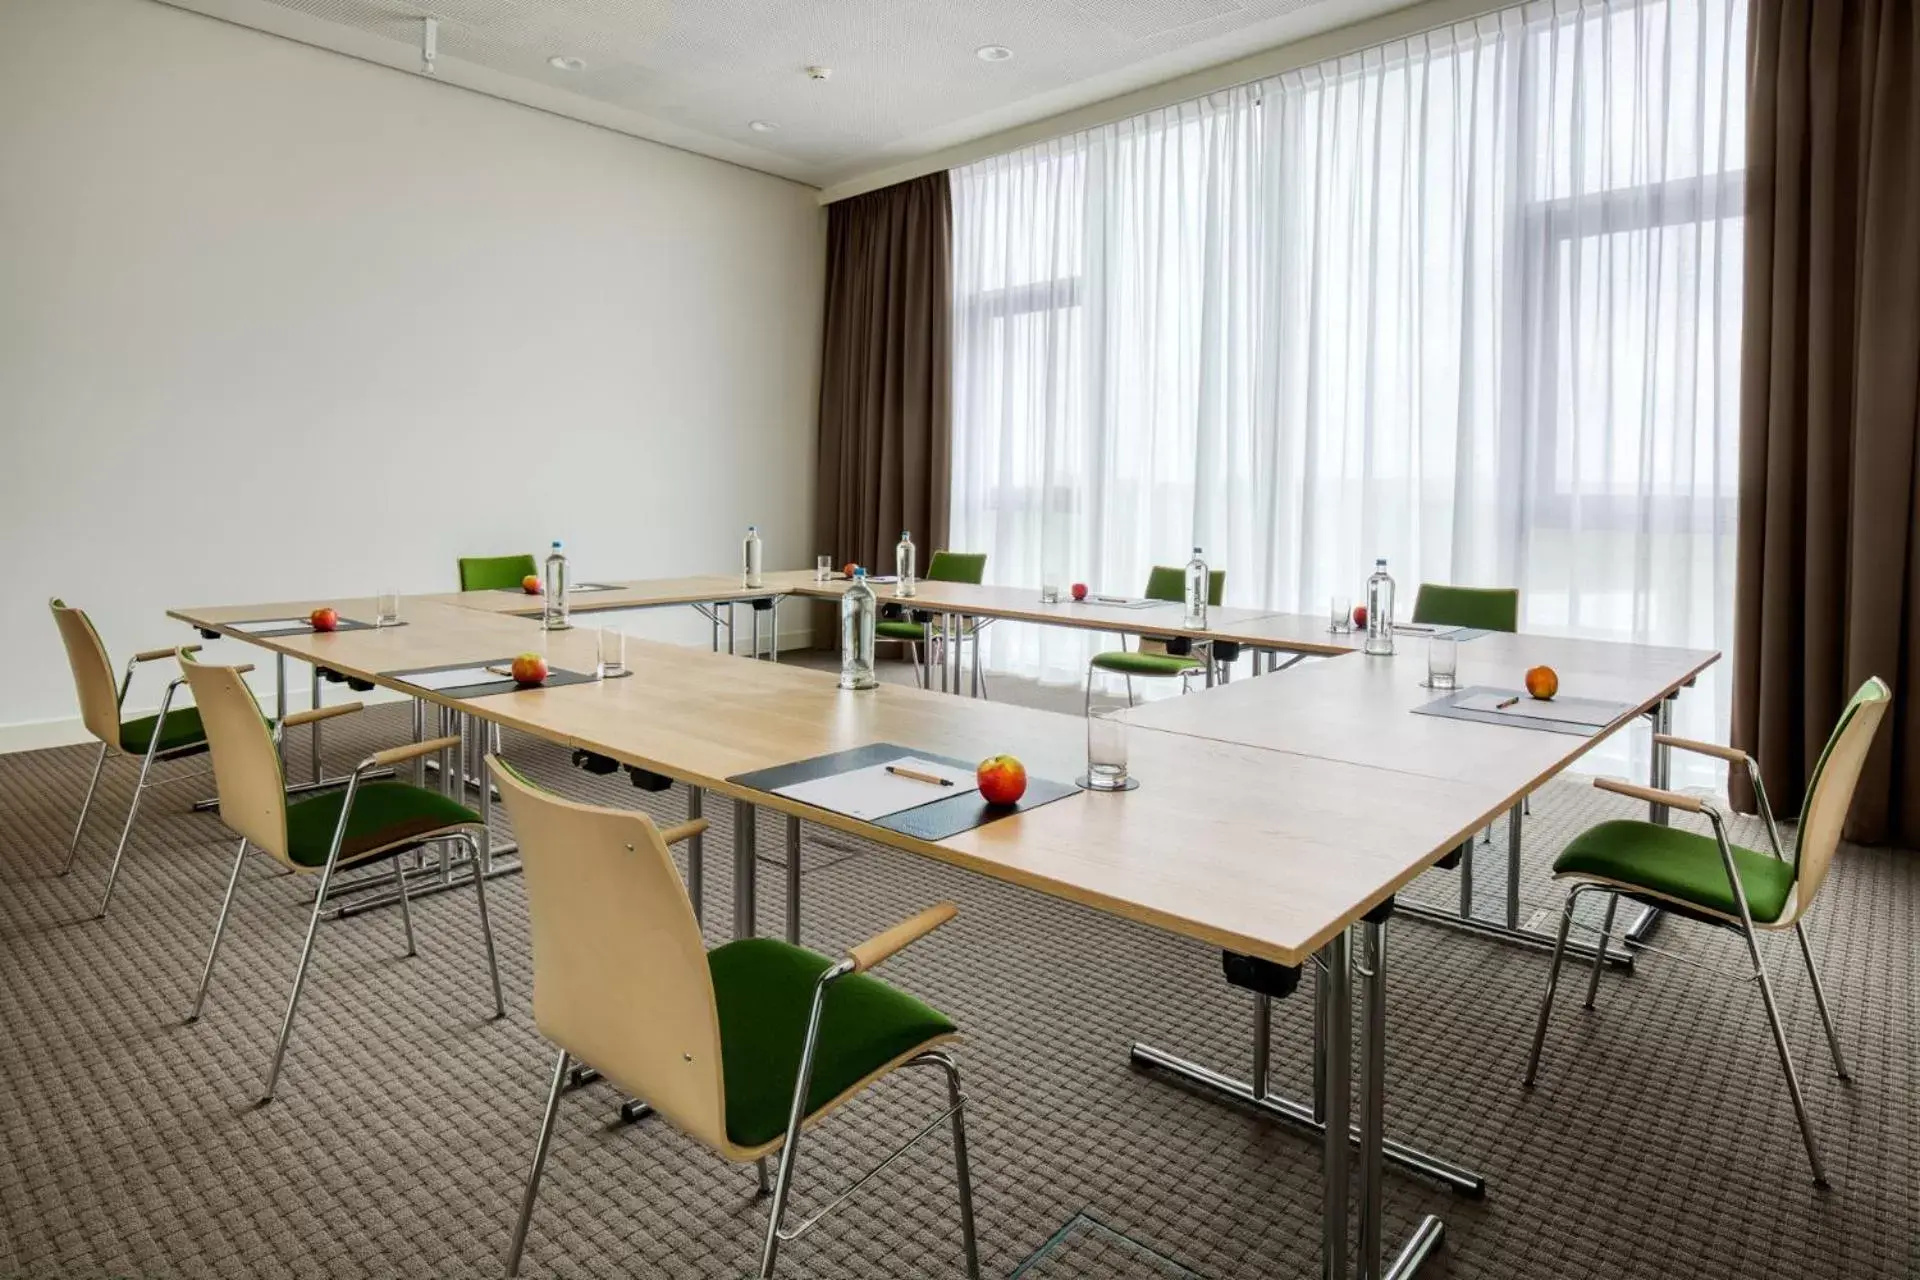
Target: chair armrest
<point>411,751</point>
<point>685,830</point>
<point>154,655</point>
<point>1672,799</point>
<point>322,713</point>
<point>881,946</point>
<point>1732,755</point>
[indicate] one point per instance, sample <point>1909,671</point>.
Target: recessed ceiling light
<point>762,126</point>
<point>993,53</point>
<point>565,62</point>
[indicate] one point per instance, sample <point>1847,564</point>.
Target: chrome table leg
<point>697,857</point>
<point>793,880</point>
<point>1337,973</point>
<point>745,884</point>
<point>1315,1119</point>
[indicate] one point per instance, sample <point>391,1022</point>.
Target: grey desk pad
<point>1459,634</point>
<point>935,820</point>
<point>1605,713</point>
<point>556,678</point>
<point>295,627</point>
<point>573,588</point>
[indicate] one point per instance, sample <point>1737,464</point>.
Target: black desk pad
<point>556,679</point>
<point>297,627</point>
<point>935,820</point>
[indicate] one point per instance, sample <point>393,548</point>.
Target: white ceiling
<point>905,81</point>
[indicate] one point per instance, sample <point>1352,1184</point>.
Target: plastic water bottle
<point>903,565</point>
<point>1199,587</point>
<point>1380,609</point>
<point>858,612</point>
<point>553,605</point>
<point>750,558</point>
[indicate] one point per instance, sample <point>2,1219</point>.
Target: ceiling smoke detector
<point>762,126</point>
<point>819,73</point>
<point>567,62</point>
<point>993,53</point>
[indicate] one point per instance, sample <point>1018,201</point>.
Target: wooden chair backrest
<point>246,767</point>
<point>1830,790</point>
<point>620,977</point>
<point>92,673</point>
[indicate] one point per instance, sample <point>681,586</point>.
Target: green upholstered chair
<point>1709,879</point>
<point>495,573</point>
<point>946,566</point>
<point>1486,608</point>
<point>738,1048</point>
<point>360,825</point>
<point>173,733</point>
<point>1152,659</point>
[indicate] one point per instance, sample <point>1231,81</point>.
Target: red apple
<point>531,584</point>
<point>1543,683</point>
<point>1002,779</point>
<point>846,570</point>
<point>1359,615</point>
<point>530,669</point>
<point>323,619</point>
<point>1079,591</point>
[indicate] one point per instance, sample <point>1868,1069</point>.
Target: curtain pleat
<point>1829,575</point>
<point>885,374</point>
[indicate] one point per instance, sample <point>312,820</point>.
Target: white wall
<point>275,324</point>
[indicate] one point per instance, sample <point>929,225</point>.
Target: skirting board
<point>34,735</point>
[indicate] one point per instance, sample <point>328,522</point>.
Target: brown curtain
<point>1828,586</point>
<point>886,371</point>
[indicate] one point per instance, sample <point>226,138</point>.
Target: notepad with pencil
<point>879,790</point>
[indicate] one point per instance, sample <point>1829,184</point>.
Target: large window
<point>1468,301</point>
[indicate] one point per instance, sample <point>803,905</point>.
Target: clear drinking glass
<point>1340,615</point>
<point>386,611</point>
<point>612,652</point>
<point>1050,586</point>
<point>1106,749</point>
<point>1443,661</point>
<point>822,568</point>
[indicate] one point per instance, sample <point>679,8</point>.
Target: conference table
<point>1275,842</point>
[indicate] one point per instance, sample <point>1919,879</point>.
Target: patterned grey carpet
<point>1660,1142</point>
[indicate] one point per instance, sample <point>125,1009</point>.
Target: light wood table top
<point>1258,851</point>
<point>635,593</point>
<point>1359,709</point>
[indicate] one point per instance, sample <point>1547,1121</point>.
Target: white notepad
<point>1574,711</point>
<point>268,624</point>
<point>455,679</point>
<point>872,792</point>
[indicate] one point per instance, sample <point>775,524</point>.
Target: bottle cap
<point>556,544</point>
<point>1380,563</point>
<point>753,528</point>
<point>859,572</point>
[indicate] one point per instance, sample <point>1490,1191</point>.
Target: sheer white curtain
<point>1469,301</point>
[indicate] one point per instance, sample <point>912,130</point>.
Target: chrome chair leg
<point>1600,952</point>
<point>300,972</point>
<point>219,929</point>
<point>796,1118</point>
<point>1820,1001</point>
<point>1786,1056</point>
<point>1553,980</point>
<point>406,906</point>
<point>482,856</point>
<point>962,1175</point>
<point>532,1192</point>
<point>133,811</point>
<point>73,845</point>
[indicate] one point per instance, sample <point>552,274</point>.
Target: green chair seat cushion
<point>1146,664</point>
<point>1681,865</point>
<point>763,989</point>
<point>900,629</point>
<point>384,813</point>
<point>183,729</point>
